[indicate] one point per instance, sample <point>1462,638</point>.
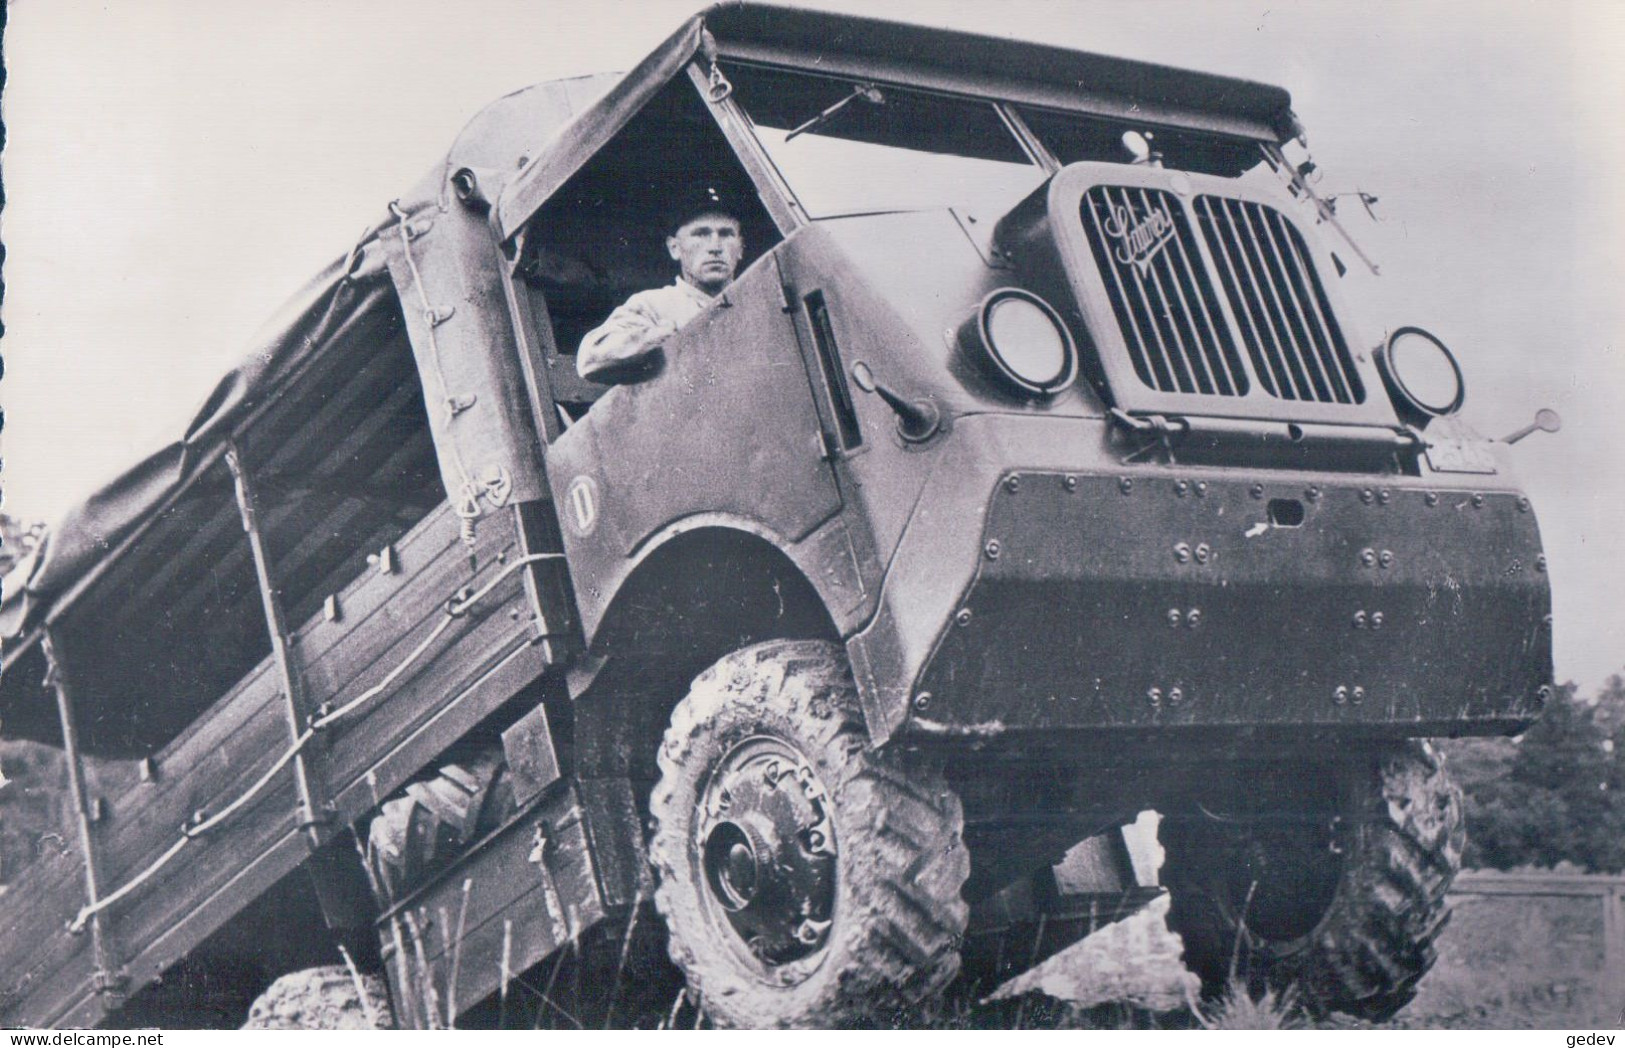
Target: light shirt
<point>638,325</point>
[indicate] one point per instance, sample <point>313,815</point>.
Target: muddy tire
<point>322,999</point>
<point>1345,909</point>
<point>806,880</point>
<point>420,833</point>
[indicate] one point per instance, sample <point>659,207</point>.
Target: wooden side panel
<point>480,660</point>
<point>533,888</point>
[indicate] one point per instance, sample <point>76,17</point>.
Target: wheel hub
<point>768,850</point>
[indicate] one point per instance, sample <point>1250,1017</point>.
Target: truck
<point>1032,473</point>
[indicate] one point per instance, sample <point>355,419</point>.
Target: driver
<point>705,243</point>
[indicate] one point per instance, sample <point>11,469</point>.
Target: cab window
<point>845,146</point>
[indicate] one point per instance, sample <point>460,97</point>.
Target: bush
<point>1556,793</point>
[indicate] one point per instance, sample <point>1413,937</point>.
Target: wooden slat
<point>41,963</point>
<point>215,908</point>
<point>370,783</point>
<point>535,907</point>
<point>1484,882</point>
<point>229,746</point>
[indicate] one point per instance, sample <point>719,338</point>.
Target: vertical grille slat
<point>1195,364</point>
<point>1291,309</point>
<point>1291,335</point>
<point>1330,334</point>
<point>1167,308</point>
<point>1127,316</point>
<point>1269,303</point>
<point>1230,277</point>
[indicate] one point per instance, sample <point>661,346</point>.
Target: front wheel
<point>806,880</point>
<point>1339,896</point>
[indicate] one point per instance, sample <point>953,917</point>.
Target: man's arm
<point>630,334</point>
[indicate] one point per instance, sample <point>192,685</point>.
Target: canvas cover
<point>313,319</point>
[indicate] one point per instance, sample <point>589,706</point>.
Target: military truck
<point>1032,473</point>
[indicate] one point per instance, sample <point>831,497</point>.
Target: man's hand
<point>622,346</point>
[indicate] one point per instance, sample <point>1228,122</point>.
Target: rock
<point>1135,961</point>
<point>321,999</point>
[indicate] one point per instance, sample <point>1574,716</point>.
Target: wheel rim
<point>767,852</point>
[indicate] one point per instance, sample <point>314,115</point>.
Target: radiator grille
<point>1293,342</point>
<point>1166,306</point>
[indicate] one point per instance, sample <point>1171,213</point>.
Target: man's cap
<point>701,200</point>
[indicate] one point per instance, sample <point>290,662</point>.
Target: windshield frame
<point>1032,151</point>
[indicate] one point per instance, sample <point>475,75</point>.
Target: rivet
<point>1203,553</point>
<point>1368,557</point>
<point>1386,558</point>
<point>1181,487</point>
<point>1358,695</point>
<point>1376,620</point>
<point>1155,695</point>
<point>1540,562</point>
<point>1256,491</point>
<point>1175,696</point>
<point>1201,489</point>
<point>1367,496</point>
<point>1182,553</point>
<point>1125,485</point>
<point>1193,617</point>
<point>1523,504</point>
<point>1312,492</point>
<point>922,701</point>
<point>1478,501</point>
<point>1359,620</point>
<point>1431,498</point>
<point>1340,695</point>
<point>1012,484</point>
<point>1071,483</point>
<point>992,549</point>
<point>1383,495</point>
<point>1174,617</point>
<point>963,618</point>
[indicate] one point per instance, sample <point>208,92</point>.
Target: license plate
<point>1459,456</point>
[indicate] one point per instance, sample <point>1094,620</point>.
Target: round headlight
<point>1024,340</point>
<point>1421,373</point>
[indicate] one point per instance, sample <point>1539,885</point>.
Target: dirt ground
<point>1504,963</point>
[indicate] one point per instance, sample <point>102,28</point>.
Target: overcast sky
<point>175,168</point>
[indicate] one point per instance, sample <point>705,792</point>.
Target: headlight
<point>1421,374</point>
<point>1023,340</point>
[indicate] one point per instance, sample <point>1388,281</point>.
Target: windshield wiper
<point>868,92</point>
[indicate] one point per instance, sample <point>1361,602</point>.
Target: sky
<point>174,169</point>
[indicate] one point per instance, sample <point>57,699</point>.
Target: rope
<point>456,608</point>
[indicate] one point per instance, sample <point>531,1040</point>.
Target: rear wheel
<point>806,880</point>
<point>1340,896</point>
<point>423,831</point>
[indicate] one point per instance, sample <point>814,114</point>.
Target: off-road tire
<point>1399,841</point>
<point>423,831</point>
<point>898,917</point>
<point>322,999</point>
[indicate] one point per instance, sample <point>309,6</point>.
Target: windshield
<point>846,146</point>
